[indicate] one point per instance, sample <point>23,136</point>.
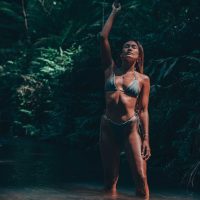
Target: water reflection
<point>83,192</point>
<point>28,169</point>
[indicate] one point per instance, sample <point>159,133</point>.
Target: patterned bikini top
<point>132,89</point>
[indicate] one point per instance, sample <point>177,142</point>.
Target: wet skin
<point>120,107</point>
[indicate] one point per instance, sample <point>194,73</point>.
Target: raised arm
<point>144,118</point>
<point>106,54</point>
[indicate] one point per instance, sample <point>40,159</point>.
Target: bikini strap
<point>135,76</point>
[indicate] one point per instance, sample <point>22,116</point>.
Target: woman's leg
<point>110,154</point>
<point>133,144</point>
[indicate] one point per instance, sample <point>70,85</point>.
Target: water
<point>42,171</point>
<point>85,191</point>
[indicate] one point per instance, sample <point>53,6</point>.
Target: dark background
<point>51,88</point>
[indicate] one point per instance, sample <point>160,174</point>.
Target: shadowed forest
<point>52,85</point>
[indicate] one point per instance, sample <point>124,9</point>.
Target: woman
<point>126,90</point>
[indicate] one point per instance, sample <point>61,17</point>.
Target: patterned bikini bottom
<point>120,130</point>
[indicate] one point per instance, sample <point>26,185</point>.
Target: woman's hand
<point>116,6</point>
<point>146,151</point>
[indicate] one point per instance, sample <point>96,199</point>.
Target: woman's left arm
<point>144,118</point>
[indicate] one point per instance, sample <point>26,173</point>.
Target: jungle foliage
<point>51,80</point>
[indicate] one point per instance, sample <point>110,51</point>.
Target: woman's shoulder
<point>143,78</point>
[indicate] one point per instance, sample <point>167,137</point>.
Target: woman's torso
<point>121,93</point>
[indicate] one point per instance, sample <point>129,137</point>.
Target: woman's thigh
<point>109,148</point>
<point>133,148</point>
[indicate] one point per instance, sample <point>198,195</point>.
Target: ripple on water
<point>84,192</point>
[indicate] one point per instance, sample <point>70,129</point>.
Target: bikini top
<point>132,89</point>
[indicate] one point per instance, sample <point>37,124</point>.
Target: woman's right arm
<point>106,55</point>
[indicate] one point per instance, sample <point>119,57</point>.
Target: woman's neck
<point>128,66</point>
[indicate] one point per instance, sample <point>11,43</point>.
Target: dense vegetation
<point>51,81</point>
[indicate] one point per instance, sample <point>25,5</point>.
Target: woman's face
<point>130,50</point>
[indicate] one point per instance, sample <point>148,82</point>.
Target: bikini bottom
<point>121,130</point>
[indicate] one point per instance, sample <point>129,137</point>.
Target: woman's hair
<point>140,63</point>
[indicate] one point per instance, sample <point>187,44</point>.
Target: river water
<point>86,191</point>
<point>42,171</point>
